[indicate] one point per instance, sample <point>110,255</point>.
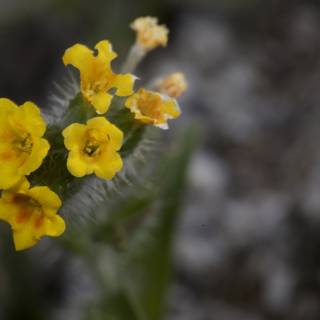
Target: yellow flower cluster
<point>32,212</point>
<point>93,147</point>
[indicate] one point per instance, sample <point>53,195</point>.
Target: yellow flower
<point>31,212</point>
<point>152,108</point>
<point>173,85</point>
<point>96,75</point>
<point>93,148</point>
<point>22,148</point>
<point>150,34</point>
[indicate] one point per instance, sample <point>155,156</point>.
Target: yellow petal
<point>29,115</point>
<point>25,118</point>
<point>10,169</point>
<point>6,105</point>
<point>5,209</point>
<point>109,129</point>
<point>46,197</point>
<point>79,56</point>
<point>7,153</point>
<point>9,176</point>
<point>105,51</point>
<point>100,123</point>
<point>73,135</point>
<point>132,104</point>
<point>116,137</point>
<point>54,226</point>
<point>108,165</point>
<point>171,109</point>
<point>13,216</point>
<point>49,212</point>
<point>124,84</point>
<point>21,186</point>
<point>24,238</point>
<point>131,101</point>
<point>39,151</point>
<point>77,166</point>
<point>143,118</point>
<point>101,101</point>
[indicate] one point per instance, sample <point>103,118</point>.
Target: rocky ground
<point>248,241</point>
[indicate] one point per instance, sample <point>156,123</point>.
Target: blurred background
<point>247,242</point>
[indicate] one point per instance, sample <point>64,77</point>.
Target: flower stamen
<point>91,149</point>
<point>23,143</point>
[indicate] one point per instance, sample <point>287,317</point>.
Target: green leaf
<point>149,259</point>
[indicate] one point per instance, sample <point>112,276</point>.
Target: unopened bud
<point>173,85</point>
<point>150,34</point>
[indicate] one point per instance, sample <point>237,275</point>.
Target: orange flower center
<point>150,106</point>
<point>27,208</point>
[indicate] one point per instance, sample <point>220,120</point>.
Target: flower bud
<point>173,85</point>
<point>150,34</point>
